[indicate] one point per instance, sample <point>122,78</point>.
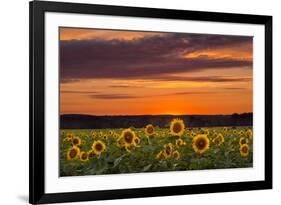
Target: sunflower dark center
<point>244,149</point>
<point>72,153</point>
<point>177,127</point>
<point>168,148</point>
<point>201,143</point>
<point>128,137</point>
<point>84,156</point>
<point>91,154</point>
<point>137,140</point>
<point>243,141</point>
<point>99,147</point>
<point>75,141</point>
<point>168,151</point>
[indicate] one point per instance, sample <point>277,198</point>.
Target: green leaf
<point>118,160</point>
<point>146,168</point>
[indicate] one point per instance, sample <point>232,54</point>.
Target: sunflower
<point>94,134</point>
<point>244,150</point>
<point>137,140</point>
<point>69,136</point>
<point>169,149</point>
<point>200,143</point>
<point>98,147</point>
<point>110,132</point>
<point>219,139</point>
<point>149,130</point>
<point>76,141</point>
<point>129,136</point>
<point>214,135</point>
<point>205,131</point>
<point>91,154</point>
<point>249,133</point>
<point>243,140</point>
<point>180,142</point>
<point>177,127</point>
<point>120,142</point>
<point>73,153</point>
<point>192,134</point>
<point>242,133</point>
<point>104,136</point>
<point>162,155</point>
<point>84,156</point>
<point>176,155</point>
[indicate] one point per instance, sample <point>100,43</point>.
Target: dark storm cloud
<point>146,57</point>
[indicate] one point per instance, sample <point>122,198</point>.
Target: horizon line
<point>61,114</point>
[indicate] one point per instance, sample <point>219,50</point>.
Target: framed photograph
<point>140,102</point>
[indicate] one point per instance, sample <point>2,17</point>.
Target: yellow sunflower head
<point>149,130</point>
<point>200,143</point>
<point>242,133</point>
<point>243,140</point>
<point>91,154</point>
<point>69,136</point>
<point>177,127</point>
<point>205,131</point>
<point>93,133</point>
<point>110,133</point>
<point>176,155</point>
<point>244,150</point>
<point>129,136</point>
<point>120,142</point>
<point>192,134</point>
<point>76,141</point>
<point>137,140</point>
<point>84,156</point>
<point>180,142</point>
<point>249,133</point>
<point>219,139</point>
<point>162,155</point>
<point>169,149</point>
<point>104,136</point>
<point>73,153</point>
<point>98,147</point>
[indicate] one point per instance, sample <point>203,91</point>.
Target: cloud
<point>68,80</point>
<point>214,79</point>
<point>126,96</point>
<point>147,57</point>
<point>112,96</point>
<point>77,92</point>
<point>234,88</point>
<point>121,86</point>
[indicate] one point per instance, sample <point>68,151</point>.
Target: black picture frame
<point>37,194</point>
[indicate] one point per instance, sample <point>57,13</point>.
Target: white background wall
<point>14,99</point>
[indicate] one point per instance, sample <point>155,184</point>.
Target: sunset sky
<point>112,72</point>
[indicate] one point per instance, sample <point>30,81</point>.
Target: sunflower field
<point>154,149</point>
